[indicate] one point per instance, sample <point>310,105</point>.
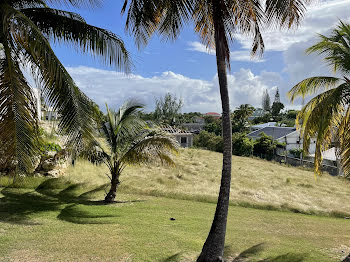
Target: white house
<point>288,135</point>
<point>44,112</point>
<point>293,140</point>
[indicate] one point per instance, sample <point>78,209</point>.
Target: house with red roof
<point>213,114</point>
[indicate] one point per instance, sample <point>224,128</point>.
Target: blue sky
<point>187,69</point>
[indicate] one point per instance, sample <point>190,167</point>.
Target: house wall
<point>293,141</point>
<point>189,139</point>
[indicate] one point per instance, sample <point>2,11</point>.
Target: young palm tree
<point>26,29</point>
<point>327,115</point>
<point>129,141</point>
<point>216,22</point>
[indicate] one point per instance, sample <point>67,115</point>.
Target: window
<point>183,140</point>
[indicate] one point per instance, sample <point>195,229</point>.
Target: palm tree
<point>327,115</point>
<point>26,29</point>
<point>240,117</point>
<point>130,141</point>
<point>216,22</point>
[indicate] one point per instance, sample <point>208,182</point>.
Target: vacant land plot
<point>255,183</point>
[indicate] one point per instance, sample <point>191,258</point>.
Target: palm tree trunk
<point>113,190</point>
<point>213,248</point>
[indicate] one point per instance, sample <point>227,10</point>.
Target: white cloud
<point>241,55</point>
<point>319,18</point>
<point>199,95</point>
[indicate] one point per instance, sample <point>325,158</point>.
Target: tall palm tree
<point>130,141</point>
<point>216,22</point>
<point>26,29</point>
<point>327,115</point>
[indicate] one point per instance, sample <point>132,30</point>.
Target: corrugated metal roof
<point>274,131</point>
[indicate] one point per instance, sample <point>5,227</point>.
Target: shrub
<point>296,152</point>
<point>241,145</point>
<point>47,146</point>
<point>265,146</point>
<point>208,141</point>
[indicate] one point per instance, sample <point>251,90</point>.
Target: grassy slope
<point>58,222</point>
<point>254,183</point>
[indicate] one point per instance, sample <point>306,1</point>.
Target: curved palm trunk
<point>213,248</point>
<point>113,190</point>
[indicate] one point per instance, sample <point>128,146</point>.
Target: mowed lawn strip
<point>139,229</point>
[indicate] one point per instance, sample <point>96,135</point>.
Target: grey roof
<point>274,131</point>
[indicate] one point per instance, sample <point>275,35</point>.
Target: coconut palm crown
<point>129,140</point>
<point>27,27</point>
<point>327,115</point>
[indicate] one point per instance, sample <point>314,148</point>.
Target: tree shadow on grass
<point>174,258</point>
<point>250,253</point>
<point>18,206</point>
<point>288,257</point>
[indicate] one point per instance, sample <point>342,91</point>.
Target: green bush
<point>47,146</point>
<point>241,145</point>
<point>265,146</point>
<point>296,152</point>
<point>208,141</point>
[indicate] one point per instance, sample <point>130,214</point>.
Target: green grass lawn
<point>63,219</point>
<point>53,225</point>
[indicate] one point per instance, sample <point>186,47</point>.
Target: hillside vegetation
<point>255,183</point>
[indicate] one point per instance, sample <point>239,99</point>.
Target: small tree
<point>208,141</point>
<point>240,118</point>
<point>266,101</point>
<point>265,146</point>
<point>241,145</point>
<point>130,141</point>
<point>213,125</point>
<point>168,109</point>
<point>276,110</point>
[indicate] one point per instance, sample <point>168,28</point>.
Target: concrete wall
<point>326,167</point>
<point>184,137</point>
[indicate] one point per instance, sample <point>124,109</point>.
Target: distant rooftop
<point>214,114</point>
<point>264,125</point>
<point>173,130</point>
<point>274,131</point>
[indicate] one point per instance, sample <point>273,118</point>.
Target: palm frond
<point>152,147</point>
<point>312,85</point>
<point>343,135</point>
<point>70,27</point>
<point>123,125</point>
<point>18,122</point>
<point>321,117</point>
<point>58,87</point>
<point>285,13</point>
<point>94,152</point>
<point>142,19</point>
<point>336,48</point>
<point>76,3</point>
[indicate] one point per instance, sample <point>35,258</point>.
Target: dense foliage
<point>242,145</point>
<point>265,146</point>
<point>26,30</point>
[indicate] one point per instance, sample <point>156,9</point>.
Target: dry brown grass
<point>255,182</point>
